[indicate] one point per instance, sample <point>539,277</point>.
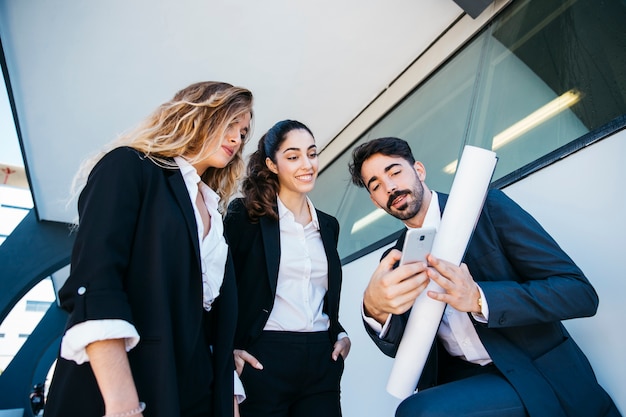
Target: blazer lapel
<point>270,231</point>
<point>443,198</point>
<point>328,240</point>
<point>179,189</point>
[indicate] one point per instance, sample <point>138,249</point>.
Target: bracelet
<point>133,412</point>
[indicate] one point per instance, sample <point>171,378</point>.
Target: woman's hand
<point>241,357</point>
<point>342,347</point>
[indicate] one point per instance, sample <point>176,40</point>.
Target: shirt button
<point>81,290</point>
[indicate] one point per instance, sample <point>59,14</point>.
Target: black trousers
<point>299,377</point>
<point>465,390</point>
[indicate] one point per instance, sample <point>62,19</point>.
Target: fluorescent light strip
<point>551,109</point>
<point>451,167</point>
<point>367,220</point>
<point>556,106</point>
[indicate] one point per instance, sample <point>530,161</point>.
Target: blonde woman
<point>151,294</point>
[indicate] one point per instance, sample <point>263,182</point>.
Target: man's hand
<point>461,291</point>
<point>393,291</point>
<point>241,357</point>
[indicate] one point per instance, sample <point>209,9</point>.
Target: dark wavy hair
<point>388,146</point>
<point>260,187</point>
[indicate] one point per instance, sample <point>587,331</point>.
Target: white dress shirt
<point>213,248</point>
<point>456,330</point>
<point>302,276</point>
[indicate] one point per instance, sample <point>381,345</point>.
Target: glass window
<point>539,76</point>
<point>37,305</point>
<point>23,319</point>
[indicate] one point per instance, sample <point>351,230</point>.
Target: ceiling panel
<point>83,72</point>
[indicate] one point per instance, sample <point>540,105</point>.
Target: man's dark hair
<point>389,146</point>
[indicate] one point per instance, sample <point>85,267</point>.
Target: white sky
<point>9,147</point>
<point>10,154</point>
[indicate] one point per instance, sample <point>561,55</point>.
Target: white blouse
<point>302,276</point>
<point>213,248</point>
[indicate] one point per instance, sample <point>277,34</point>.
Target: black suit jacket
<point>256,253</point>
<point>136,256</point>
<point>530,285</point>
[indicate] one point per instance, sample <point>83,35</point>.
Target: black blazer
<point>256,253</point>
<point>530,285</point>
<point>137,257</point>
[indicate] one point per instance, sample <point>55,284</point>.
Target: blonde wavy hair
<point>193,123</point>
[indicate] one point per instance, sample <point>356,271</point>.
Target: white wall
<point>367,368</point>
<point>581,202</point>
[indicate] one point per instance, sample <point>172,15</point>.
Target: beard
<point>412,205</point>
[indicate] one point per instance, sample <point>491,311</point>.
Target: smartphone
<point>417,244</point>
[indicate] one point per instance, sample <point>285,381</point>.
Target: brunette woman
<point>289,278</point>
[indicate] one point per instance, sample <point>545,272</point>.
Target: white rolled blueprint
<point>458,221</point>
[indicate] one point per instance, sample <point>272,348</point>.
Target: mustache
<point>395,195</point>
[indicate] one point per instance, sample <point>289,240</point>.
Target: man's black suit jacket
<point>255,248</point>
<point>530,285</point>
<point>137,258</point>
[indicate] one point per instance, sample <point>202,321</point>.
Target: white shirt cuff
<point>381,330</point>
<point>240,392</point>
<point>80,335</point>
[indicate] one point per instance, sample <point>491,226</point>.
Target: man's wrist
<point>379,316</point>
<point>482,307</point>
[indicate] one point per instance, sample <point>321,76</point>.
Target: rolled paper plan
<point>461,213</point>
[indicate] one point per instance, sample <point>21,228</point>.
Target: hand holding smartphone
<point>417,244</point>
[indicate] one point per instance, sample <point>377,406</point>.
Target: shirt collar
<point>284,211</point>
<point>189,172</point>
<point>193,180</point>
